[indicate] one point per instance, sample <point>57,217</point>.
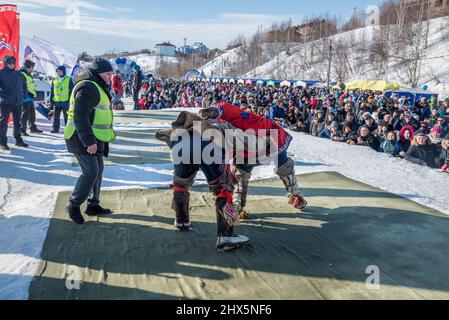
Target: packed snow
<point>30,180</point>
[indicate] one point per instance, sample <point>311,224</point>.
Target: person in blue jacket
<point>277,112</point>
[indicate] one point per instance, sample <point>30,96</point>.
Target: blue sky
<point>131,24</point>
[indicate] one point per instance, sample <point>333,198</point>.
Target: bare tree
<point>416,37</point>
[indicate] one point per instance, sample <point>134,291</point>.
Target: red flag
<point>9,32</point>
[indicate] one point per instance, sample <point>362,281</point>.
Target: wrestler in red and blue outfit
<point>285,166</point>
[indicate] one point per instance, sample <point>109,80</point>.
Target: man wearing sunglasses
<point>12,88</point>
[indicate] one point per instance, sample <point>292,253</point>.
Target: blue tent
<point>414,94</point>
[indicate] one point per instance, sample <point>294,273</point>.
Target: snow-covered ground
<point>30,180</point>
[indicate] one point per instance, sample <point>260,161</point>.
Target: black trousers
<point>212,173</point>
<point>5,111</point>
<point>88,186</point>
<point>57,118</point>
<point>28,116</point>
<point>136,99</point>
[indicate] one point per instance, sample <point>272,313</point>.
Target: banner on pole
<point>9,32</point>
<point>46,55</point>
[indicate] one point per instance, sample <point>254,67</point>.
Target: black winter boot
<point>75,214</point>
<point>181,203</point>
<point>97,211</point>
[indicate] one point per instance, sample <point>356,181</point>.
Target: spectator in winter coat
<point>433,118</point>
<point>405,120</point>
<point>334,133</point>
<point>405,139</point>
<point>388,120</point>
<point>117,87</point>
<point>350,118</point>
<point>435,136</point>
<point>443,159</point>
<point>391,146</point>
<point>369,122</point>
<point>12,87</point>
<point>291,117</point>
<point>423,128</point>
<point>318,123</point>
<point>381,132</point>
<point>300,126</point>
<point>136,85</point>
<point>422,152</point>
<point>345,134</point>
<point>365,138</point>
<point>441,121</point>
<point>277,113</point>
<point>329,130</point>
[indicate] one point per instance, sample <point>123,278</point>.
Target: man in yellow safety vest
<point>28,111</point>
<point>87,135</point>
<point>61,89</point>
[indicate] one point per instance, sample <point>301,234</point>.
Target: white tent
<point>286,84</point>
<point>441,88</point>
<point>321,85</point>
<point>300,84</point>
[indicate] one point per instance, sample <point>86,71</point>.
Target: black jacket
<point>137,81</point>
<point>12,85</point>
<point>405,145</point>
<point>443,158</point>
<point>423,155</point>
<point>87,98</point>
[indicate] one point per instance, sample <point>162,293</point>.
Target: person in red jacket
<point>285,169</point>
<point>117,87</point>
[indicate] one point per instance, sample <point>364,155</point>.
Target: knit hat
<point>29,64</point>
<point>63,69</point>
<point>367,115</point>
<point>101,65</point>
<point>9,59</point>
<point>334,124</point>
<point>348,124</point>
<point>437,129</point>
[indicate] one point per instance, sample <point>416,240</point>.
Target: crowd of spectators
<point>416,130</point>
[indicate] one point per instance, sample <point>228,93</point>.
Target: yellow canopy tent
<point>355,84</point>
<point>375,85</point>
<point>380,85</point>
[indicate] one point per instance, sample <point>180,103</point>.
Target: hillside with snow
<point>354,56</point>
<point>150,63</point>
<point>232,61</point>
